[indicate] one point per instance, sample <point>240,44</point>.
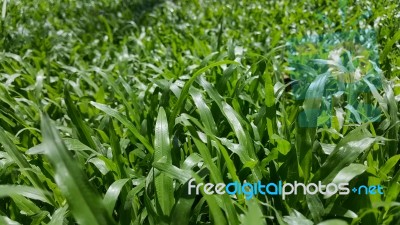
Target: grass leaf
<point>84,202</point>
<point>346,151</point>
<point>163,183</point>
<point>26,191</point>
<point>112,194</point>
<point>114,113</point>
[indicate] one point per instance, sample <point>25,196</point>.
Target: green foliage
<point>109,108</point>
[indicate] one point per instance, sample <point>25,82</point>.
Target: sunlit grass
<point>108,108</point>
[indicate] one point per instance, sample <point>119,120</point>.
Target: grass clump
<point>109,108</point>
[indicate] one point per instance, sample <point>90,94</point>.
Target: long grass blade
<point>163,183</point>
<point>84,202</point>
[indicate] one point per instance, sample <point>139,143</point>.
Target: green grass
<point>108,109</point>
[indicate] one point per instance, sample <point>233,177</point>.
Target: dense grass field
<point>109,109</point>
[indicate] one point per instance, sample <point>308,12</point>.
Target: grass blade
<point>204,111</point>
<point>174,172</point>
<point>184,94</point>
<point>346,151</point>
<point>253,214</point>
<point>163,183</point>
<point>333,222</point>
<point>7,221</point>
<point>114,113</point>
<point>84,133</point>
<point>58,216</point>
<point>112,194</point>
<point>215,211</point>
<point>18,158</point>
<point>84,202</point>
<point>26,191</point>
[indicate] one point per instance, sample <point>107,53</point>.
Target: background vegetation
<point>109,107</point>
